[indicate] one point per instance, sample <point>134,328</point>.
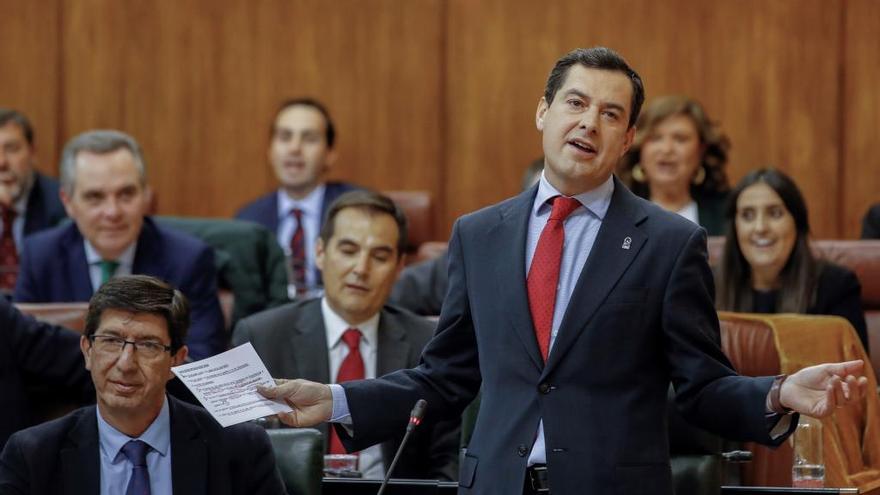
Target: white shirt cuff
<point>340,413</point>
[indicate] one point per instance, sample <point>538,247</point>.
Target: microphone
<point>415,419</point>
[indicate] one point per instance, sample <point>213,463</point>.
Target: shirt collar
<point>310,205</point>
<point>595,200</point>
<point>336,326</point>
<point>157,435</point>
<point>125,259</point>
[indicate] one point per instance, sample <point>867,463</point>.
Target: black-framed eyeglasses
<point>110,344</point>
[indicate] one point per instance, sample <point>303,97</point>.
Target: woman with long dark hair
<point>767,265</point>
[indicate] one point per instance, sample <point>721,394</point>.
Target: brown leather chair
<point>769,344</point>
<point>70,315</point>
<point>860,256</point>
<point>419,210</point>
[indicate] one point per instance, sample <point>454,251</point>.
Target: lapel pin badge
<point>627,242</point>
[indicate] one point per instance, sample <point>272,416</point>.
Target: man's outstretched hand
<point>818,390</point>
<point>312,402</point>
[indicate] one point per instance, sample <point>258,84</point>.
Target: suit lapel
<point>607,262</point>
<point>507,240</point>
<point>307,341</point>
<point>77,265</point>
<point>149,256</point>
<point>189,454</point>
<point>393,346</point>
<point>80,457</point>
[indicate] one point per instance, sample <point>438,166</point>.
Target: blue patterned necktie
<point>136,453</point>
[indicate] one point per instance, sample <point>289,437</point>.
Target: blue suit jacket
<point>63,457</point>
<point>264,210</point>
<point>44,208</point>
<point>54,269</point>
<point>638,318</point>
<point>32,352</point>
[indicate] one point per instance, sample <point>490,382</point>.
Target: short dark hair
<point>372,202</point>
<point>799,277</point>
<point>8,115</point>
<point>597,57</point>
<point>313,103</point>
<point>142,294</point>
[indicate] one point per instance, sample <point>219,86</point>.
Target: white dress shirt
<point>370,459</point>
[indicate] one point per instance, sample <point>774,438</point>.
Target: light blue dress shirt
<point>115,467</point>
<point>311,207</point>
<point>581,229</point>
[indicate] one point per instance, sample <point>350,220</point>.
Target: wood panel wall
<point>439,94</point>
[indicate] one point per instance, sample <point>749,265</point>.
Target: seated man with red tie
<point>104,190</point>
<point>301,152</point>
<point>28,200</point>
<point>137,440</point>
<point>350,333</point>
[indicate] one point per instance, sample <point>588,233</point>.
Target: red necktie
<point>352,368</point>
<point>298,254</point>
<point>544,272</point>
<point>8,253</point>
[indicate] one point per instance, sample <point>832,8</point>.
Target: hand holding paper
<point>226,384</point>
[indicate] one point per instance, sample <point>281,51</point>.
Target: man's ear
<point>630,135</point>
<point>319,254</point>
<point>65,200</point>
<point>540,112</point>
<point>177,359</point>
<point>85,346</point>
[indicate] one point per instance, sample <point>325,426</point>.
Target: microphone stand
<point>415,418</point>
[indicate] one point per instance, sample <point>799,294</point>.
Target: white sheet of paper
<point>226,384</point>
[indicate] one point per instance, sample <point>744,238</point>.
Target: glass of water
<point>808,469</point>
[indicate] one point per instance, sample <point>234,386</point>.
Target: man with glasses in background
<point>138,440</point>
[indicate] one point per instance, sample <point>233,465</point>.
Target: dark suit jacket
<point>264,210</point>
<point>63,457</point>
<point>292,341</point>
<point>422,287</point>
<point>871,223</point>
<point>838,293</point>
<point>54,269</point>
<point>44,208</point>
<point>710,212</point>
<point>637,318</point>
<point>35,353</point>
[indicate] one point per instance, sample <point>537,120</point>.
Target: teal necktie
<point>108,269</point>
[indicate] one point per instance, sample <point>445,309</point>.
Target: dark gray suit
<point>292,342</point>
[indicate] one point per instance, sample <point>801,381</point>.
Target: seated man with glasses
<point>138,440</point>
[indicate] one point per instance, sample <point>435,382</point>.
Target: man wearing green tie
<point>104,190</point>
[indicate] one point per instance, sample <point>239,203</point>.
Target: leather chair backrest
<point>70,315</point>
<point>851,436</point>
<point>751,347</point>
<point>299,454</point>
<point>250,264</point>
<point>419,210</point>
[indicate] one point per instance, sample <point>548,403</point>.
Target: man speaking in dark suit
<point>137,440</point>
<point>574,305</point>
<point>104,189</point>
<point>351,329</point>
<point>301,151</point>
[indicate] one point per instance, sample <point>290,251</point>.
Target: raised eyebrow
<point>575,92</point>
